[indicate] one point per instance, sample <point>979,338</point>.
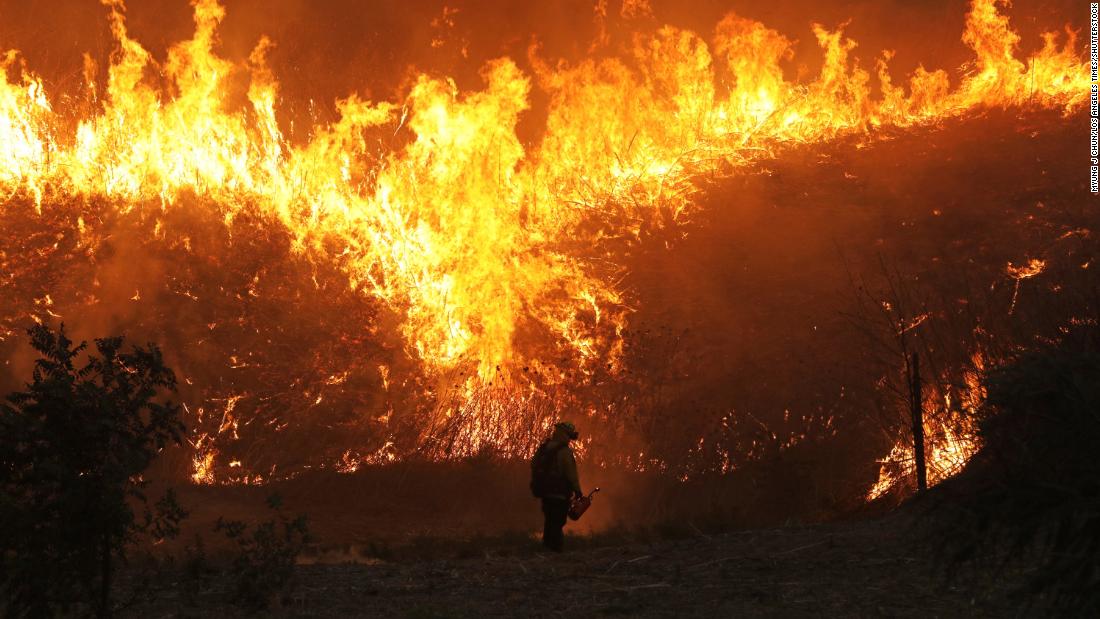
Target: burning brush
<point>495,265</point>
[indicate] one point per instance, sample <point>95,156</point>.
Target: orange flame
<point>463,232</point>
<point>950,432</point>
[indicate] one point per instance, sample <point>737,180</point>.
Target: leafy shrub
<point>73,447</point>
<point>263,564</point>
<point>196,572</point>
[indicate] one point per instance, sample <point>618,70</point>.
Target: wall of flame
<point>496,259</point>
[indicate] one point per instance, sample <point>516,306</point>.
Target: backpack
<point>543,479</point>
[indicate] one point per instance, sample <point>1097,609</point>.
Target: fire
<point>1031,269</point>
<point>950,431</point>
<point>949,445</point>
<point>479,245</point>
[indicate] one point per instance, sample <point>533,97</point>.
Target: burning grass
<point>280,395</point>
<point>718,271</point>
<point>413,283</point>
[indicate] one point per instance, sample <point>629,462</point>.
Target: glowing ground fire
<point>459,230</point>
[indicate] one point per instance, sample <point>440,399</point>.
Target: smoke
<point>737,336</point>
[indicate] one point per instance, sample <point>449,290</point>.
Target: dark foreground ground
<point>853,569</point>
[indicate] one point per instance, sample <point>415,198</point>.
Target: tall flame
<point>469,237</point>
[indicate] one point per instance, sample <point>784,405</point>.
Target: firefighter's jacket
<point>564,469</point>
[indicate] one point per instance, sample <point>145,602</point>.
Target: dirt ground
<point>867,568</point>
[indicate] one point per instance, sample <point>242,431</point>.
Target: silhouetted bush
<point>1031,497</point>
<point>73,447</point>
<point>263,562</point>
<point>196,572</point>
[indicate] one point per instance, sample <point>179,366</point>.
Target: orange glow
<point>950,434</point>
<point>462,231</point>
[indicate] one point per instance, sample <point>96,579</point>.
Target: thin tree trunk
<point>917,408</point>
